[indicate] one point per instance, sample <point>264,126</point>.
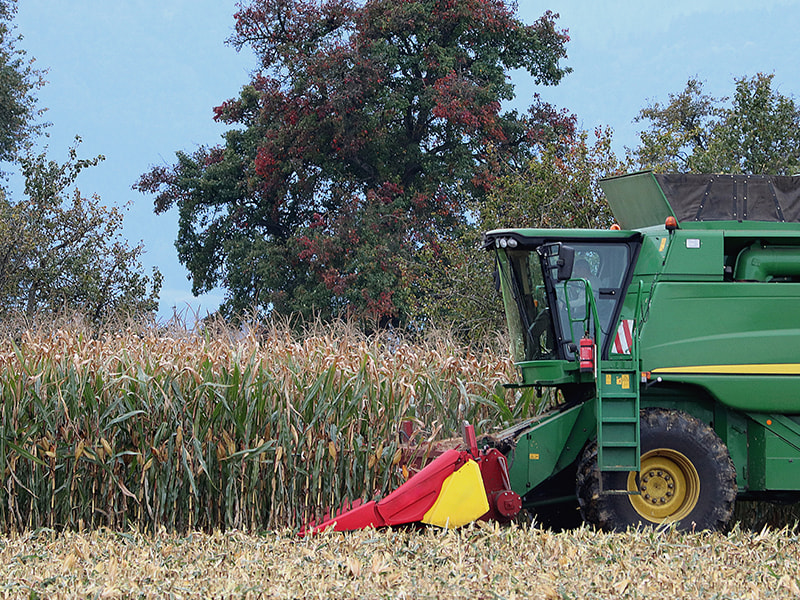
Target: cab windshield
<point>549,311</point>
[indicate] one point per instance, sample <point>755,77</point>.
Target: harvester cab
<point>668,346</point>
<point>557,293</point>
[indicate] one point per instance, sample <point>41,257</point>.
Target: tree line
<point>367,154</point>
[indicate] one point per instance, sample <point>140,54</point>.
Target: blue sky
<point>137,80</point>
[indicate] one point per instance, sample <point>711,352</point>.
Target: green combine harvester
<point>672,342</point>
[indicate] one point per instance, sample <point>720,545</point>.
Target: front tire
<point>686,477</point>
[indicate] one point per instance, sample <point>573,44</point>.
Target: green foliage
<point>18,81</point>
<point>358,147</point>
<point>759,133</point>
<point>678,130</point>
<point>455,289</point>
<point>62,251</point>
<point>557,188</point>
<point>58,249</point>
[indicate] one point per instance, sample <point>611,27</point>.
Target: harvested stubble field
<point>479,561</point>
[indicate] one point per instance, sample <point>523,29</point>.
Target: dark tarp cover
<point>732,197</point>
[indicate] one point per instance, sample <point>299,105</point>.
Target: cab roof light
<point>506,243</point>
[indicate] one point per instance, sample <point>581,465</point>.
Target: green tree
<point>361,141</point>
<point>677,131</point>
<point>758,133</point>
<point>18,82</point>
<point>558,188</point>
<point>60,250</point>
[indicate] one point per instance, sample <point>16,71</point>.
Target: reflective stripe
<point>624,339</point>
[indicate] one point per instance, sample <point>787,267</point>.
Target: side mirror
<point>559,260</point>
<point>566,261</point>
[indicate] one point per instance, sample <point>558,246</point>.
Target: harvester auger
<point>672,339</point>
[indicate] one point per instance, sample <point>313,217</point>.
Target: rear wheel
<point>686,477</point>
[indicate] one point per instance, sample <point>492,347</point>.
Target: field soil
<point>479,561</point>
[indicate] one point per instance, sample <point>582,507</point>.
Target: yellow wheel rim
<point>668,486</point>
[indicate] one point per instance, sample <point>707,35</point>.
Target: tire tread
<point>604,510</point>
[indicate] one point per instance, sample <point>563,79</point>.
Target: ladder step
<point>620,420</point>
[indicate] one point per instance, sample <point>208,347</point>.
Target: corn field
<point>254,428</point>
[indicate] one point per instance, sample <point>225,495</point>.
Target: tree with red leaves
<point>363,137</point>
